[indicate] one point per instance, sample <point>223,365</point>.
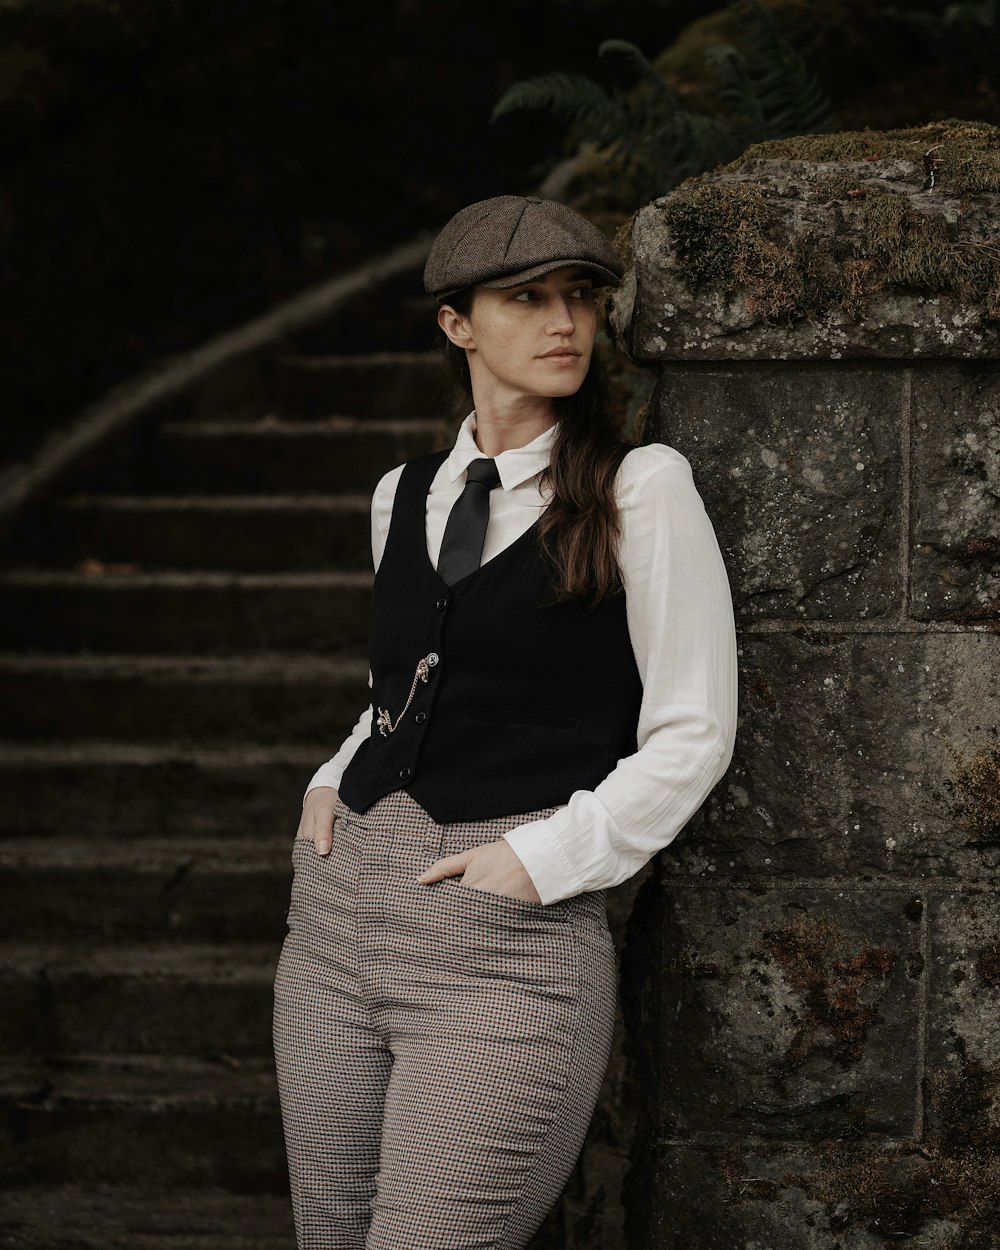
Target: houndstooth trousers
<point>439,1048</point>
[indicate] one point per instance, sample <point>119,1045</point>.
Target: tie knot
<point>484,472</point>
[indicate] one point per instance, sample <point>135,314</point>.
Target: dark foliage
<point>764,89</point>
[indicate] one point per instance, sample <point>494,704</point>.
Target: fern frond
<point>655,101</point>
<point>764,87</point>
<point>641,68</point>
<point>735,90</point>
<point>574,99</point>
<point>676,142</point>
<point>791,99</point>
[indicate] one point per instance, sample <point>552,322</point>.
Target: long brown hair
<point>580,530</point>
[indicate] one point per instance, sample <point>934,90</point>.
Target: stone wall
<point>812,977</point>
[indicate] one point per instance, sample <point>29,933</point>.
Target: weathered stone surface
<point>836,1196</point>
<point>963,1041</point>
<point>138,790</point>
<point>956,493</point>
<point>168,1120</point>
<point>97,1216</point>
<point>812,975</point>
<point>859,756</point>
<point>800,471</point>
<point>788,1012</point>
<point>784,258</point>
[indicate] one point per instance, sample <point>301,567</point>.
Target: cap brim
<point>601,275</point>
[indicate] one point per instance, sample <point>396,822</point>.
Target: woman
<point>553,671</point>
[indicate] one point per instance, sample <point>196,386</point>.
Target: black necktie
<point>465,532</point>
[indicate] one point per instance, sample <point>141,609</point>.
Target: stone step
<point>340,454</point>
<point>153,997</point>
<point>64,888</point>
<point>106,1216</point>
<point>143,1119</point>
<point>137,791</point>
<point>184,613</point>
<point>277,698</point>
<point>242,533</point>
<point>370,384</point>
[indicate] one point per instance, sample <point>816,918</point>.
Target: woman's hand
<point>494,867</point>
<point>317,817</point>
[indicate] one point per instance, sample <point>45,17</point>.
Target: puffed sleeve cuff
<point>328,774</point>
<point>544,861</point>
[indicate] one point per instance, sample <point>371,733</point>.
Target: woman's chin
<point>569,387</point>
<point>568,383</point>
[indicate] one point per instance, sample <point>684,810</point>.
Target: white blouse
<point>680,620</point>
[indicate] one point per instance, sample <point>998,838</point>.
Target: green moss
<point>713,227</point>
<point>720,236</point>
<point>969,154</point>
<point>726,236</point>
<point>975,789</point>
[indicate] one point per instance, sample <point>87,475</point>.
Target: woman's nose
<point>561,318</point>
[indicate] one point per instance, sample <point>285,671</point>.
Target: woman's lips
<point>561,357</point>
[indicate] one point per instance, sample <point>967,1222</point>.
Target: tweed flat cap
<point>510,239</point>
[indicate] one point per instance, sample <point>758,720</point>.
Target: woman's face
<point>532,339</point>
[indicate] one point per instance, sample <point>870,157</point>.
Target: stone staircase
<point>182,642</point>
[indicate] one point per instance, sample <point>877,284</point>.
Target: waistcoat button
<point>432,659</point>
<point>441,604</point>
<point>420,717</point>
<point>404,773</point>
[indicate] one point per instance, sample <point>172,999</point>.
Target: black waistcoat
<point>525,700</point>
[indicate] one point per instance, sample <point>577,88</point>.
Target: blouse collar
<point>515,466</point>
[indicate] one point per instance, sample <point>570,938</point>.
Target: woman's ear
<point>457,327</point>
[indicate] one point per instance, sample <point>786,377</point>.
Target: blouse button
<point>404,773</point>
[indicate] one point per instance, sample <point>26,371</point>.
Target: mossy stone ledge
<point>858,244</point>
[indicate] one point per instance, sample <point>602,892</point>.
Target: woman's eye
<point>583,292</point>
<point>525,296</point>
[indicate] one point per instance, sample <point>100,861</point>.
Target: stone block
<point>799,471</point>
<point>861,755</point>
<point>955,572</point>
<point>757,1195</point>
<point>824,259</point>
<point>963,1040</point>
<point>788,1012</point>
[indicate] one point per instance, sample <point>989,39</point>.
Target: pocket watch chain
<point>384,722</point>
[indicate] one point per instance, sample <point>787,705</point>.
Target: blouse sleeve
<point>331,772</point>
<point>680,619</point>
